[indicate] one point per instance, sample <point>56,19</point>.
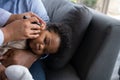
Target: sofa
<point>95,43</point>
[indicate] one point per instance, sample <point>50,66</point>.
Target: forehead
<point>55,42</point>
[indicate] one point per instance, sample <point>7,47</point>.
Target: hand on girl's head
<point>43,26</point>
<point>47,42</point>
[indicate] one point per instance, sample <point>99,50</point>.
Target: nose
<point>42,46</point>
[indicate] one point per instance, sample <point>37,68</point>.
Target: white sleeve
<point>13,71</point>
<point>1,37</point>
<point>4,16</point>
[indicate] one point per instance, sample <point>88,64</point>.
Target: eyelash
<point>45,42</point>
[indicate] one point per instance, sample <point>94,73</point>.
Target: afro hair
<point>65,33</point>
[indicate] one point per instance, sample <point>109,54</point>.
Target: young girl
<point>51,40</point>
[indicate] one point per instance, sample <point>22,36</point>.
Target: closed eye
<point>45,41</point>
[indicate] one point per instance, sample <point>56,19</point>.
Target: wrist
<point>12,18</point>
<point>7,37</point>
<point>1,37</point>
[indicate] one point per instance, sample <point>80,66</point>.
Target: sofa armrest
<point>97,54</point>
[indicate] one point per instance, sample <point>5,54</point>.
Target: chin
<point>36,52</point>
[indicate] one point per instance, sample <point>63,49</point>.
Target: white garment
<point>1,37</point>
<point>16,72</point>
<point>21,44</point>
<point>4,16</point>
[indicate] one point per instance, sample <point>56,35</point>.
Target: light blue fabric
<point>21,6</point>
<point>4,16</point>
<point>1,37</point>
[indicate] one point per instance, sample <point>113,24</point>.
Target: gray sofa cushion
<point>77,17</point>
<point>67,73</point>
<point>57,9</point>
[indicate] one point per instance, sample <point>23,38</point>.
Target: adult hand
<point>19,57</point>
<point>21,29</point>
<point>14,17</point>
<point>2,73</point>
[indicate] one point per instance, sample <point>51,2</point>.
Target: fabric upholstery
<point>66,73</point>
<point>95,43</point>
<point>99,49</point>
<point>78,18</point>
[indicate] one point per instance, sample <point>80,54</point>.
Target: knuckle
<point>27,35</point>
<point>34,18</point>
<point>30,12</point>
<point>25,25</point>
<point>23,20</point>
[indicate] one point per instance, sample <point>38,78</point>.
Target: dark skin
<point>26,31</point>
<point>46,42</point>
<point>2,75</point>
<point>18,57</point>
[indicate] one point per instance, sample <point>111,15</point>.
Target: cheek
<point>31,45</point>
<point>38,52</point>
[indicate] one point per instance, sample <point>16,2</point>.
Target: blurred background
<point>108,7</point>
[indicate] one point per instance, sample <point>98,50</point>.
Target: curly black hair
<point>65,33</point>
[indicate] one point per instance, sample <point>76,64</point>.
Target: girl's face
<point>47,42</point>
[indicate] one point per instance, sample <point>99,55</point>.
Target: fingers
<point>32,36</point>
<point>35,15</point>
<point>35,31</point>
<point>39,19</point>
<point>33,19</point>
<point>43,27</point>
<point>34,27</point>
